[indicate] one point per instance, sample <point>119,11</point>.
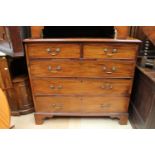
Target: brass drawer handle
<point>107,86</point>
<point>109,54</point>
<point>57,49</point>
<point>105,50</point>
<point>6,68</point>
<point>104,68</point>
<point>53,87</point>
<point>113,69</point>
<point>104,106</point>
<point>114,50</point>
<point>109,72</point>
<point>49,68</point>
<point>53,53</point>
<point>57,106</point>
<point>58,68</point>
<point>53,105</point>
<point>59,87</point>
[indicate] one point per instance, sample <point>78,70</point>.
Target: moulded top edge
<point>129,40</point>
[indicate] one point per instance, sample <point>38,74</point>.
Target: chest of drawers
<point>81,77</point>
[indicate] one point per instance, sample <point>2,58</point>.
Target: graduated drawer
<point>53,50</point>
<point>48,86</point>
<point>82,68</point>
<point>60,104</point>
<point>110,50</point>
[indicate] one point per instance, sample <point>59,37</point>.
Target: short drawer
<point>51,50</point>
<point>48,86</point>
<point>58,104</point>
<point>105,104</point>
<point>82,68</point>
<point>110,51</point>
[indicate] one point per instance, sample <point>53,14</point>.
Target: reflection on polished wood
<point>4,111</point>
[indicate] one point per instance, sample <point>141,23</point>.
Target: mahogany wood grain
<point>36,31</point>
<point>58,104</point>
<point>2,33</point>
<point>80,86</point>
<point>56,50</point>
<point>122,31</point>
<point>4,112</point>
<point>5,78</point>
<point>82,104</point>
<point>105,104</point>
<point>23,95</point>
<point>1,82</point>
<point>82,68</point>
<point>110,51</point>
<point>15,36</point>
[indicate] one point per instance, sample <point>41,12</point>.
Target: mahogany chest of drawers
<point>81,77</point>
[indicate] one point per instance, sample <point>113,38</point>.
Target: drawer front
<point>58,104</point>
<point>83,68</point>
<point>110,51</point>
<point>48,86</point>
<point>105,104</point>
<point>54,50</point>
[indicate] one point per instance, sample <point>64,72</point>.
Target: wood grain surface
<point>4,112</point>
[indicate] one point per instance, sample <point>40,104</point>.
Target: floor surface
<point>27,122</point>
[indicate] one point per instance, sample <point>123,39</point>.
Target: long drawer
<point>110,51</point>
<point>53,50</point>
<point>82,68</point>
<point>50,86</point>
<point>62,105</point>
